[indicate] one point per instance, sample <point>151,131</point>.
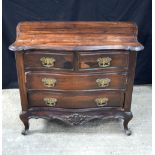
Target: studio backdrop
<point>138,11</point>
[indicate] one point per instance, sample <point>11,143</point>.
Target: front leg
<point>127,117</point>
<point>25,120</point>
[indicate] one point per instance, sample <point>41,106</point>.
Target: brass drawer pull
<point>101,101</point>
<point>49,82</point>
<point>50,101</point>
<point>104,62</point>
<point>47,62</point>
<point>103,82</point>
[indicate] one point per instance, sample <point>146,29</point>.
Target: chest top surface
<point>76,36</point>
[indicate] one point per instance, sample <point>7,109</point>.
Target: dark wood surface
<point>88,61</point>
<point>21,80</point>
<point>76,99</point>
<point>75,48</point>
<point>130,81</point>
<point>76,36</point>
<point>75,81</point>
<point>62,60</point>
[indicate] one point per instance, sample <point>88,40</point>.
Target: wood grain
<point>88,60</point>
<point>75,81</point>
<point>21,80</point>
<point>75,48</point>
<point>130,81</point>
<point>63,61</point>
<point>76,36</point>
<point>75,99</point>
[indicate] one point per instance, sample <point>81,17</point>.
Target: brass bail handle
<point>103,82</point>
<point>48,82</point>
<point>50,101</point>
<point>104,62</point>
<point>101,101</point>
<point>47,61</point>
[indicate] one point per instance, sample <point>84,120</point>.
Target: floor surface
<point>102,137</point>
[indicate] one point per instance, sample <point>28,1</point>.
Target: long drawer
<point>76,99</point>
<point>42,80</point>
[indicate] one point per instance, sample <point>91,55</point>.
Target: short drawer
<point>106,60</point>
<point>44,60</point>
<point>76,99</point>
<point>72,81</point>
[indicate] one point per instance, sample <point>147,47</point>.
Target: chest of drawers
<point>76,71</point>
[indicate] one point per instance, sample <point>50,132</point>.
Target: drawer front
<point>76,99</point>
<point>75,81</point>
<point>44,60</point>
<point>92,61</point>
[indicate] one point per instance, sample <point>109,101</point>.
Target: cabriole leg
<point>127,118</point>
<point>25,121</point>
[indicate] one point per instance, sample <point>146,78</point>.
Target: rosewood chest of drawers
<point>76,71</point>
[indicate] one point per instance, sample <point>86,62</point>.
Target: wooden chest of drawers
<point>76,71</point>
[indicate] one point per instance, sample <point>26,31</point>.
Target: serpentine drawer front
<point>46,60</point>
<point>59,81</point>
<point>77,100</point>
<point>103,60</point>
<point>76,71</point>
